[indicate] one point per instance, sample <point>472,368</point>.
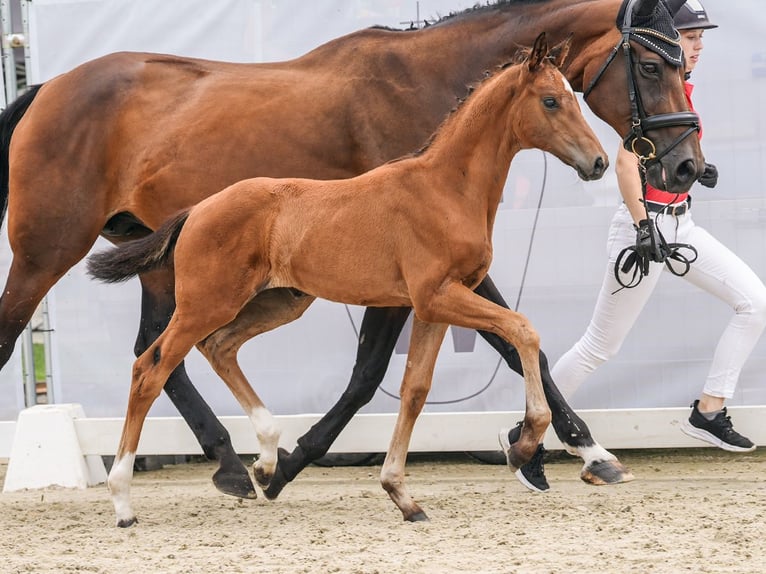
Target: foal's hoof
<point>603,472</point>
<point>127,522</point>
<point>418,516</point>
<point>262,478</point>
<point>235,483</point>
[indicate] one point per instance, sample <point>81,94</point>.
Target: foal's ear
<point>539,52</point>
<point>558,54</point>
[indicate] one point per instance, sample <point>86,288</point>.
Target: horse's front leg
<point>377,339</point>
<point>600,466</point>
<point>157,305</point>
<point>425,341</point>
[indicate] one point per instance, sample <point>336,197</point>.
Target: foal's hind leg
<point>157,304</point>
<point>268,310</point>
<point>601,466</point>
<point>425,341</point>
<point>150,371</point>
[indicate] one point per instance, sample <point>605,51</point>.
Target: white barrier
<point>46,451</point>
<point>49,444</point>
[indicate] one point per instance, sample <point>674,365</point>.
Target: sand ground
<point>698,510</point>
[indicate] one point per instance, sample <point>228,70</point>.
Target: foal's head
<point>551,118</point>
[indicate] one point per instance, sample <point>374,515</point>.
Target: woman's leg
<point>614,315</point>
<point>723,274</point>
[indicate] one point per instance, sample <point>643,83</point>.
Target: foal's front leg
<point>600,466</point>
<point>377,338</point>
<point>456,304</point>
<point>425,341</point>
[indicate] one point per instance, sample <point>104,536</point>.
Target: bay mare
<point>117,145</point>
<point>415,232</point>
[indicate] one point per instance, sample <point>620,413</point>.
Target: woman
<point>716,270</point>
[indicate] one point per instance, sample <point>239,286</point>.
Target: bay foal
<point>414,232</point>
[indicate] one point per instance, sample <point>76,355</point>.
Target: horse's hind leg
<point>268,310</point>
<point>601,466</point>
<point>25,287</point>
<point>377,338</point>
<point>424,348</point>
<point>157,305</point>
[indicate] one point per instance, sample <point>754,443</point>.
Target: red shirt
<point>657,195</point>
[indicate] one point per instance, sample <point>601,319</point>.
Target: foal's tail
<point>139,255</point>
<point>10,117</point>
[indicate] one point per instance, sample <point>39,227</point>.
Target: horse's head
<point>636,84</point>
<point>552,119</point>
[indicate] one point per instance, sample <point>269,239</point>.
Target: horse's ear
<point>644,8</point>
<point>674,6</point>
<point>539,52</point>
<point>560,51</point>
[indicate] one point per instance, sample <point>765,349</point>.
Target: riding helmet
<point>692,16</point>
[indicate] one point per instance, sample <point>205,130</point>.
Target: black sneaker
<point>532,474</point>
<point>718,432</point>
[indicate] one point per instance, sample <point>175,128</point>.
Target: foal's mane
<point>468,12</point>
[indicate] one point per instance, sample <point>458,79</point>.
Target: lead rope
<point>632,261</point>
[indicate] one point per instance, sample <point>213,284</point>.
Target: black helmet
<point>692,16</point>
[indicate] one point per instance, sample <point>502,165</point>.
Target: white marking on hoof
<point>119,486</point>
<point>267,431</point>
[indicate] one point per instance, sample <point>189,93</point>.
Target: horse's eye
<point>650,67</point>
<point>550,103</point>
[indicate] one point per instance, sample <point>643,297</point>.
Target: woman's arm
<point>629,182</point>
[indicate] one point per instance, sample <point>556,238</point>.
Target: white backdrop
<point>304,367</point>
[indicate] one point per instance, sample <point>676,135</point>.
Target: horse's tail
<point>9,118</point>
<point>139,255</point>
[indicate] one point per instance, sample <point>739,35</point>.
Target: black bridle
<point>641,123</point>
<point>630,258</point>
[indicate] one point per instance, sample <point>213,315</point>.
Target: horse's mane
<point>454,16</point>
<point>519,58</point>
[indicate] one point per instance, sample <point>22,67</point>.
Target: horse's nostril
<point>599,166</point>
<point>687,171</point>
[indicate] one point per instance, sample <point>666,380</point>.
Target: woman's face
<point>691,44</point>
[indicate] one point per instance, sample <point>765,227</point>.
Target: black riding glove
<point>709,177</point>
<point>648,244</point>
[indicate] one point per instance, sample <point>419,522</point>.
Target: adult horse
<point>117,145</point>
<point>414,232</point>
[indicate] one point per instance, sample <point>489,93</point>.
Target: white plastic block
<point>46,451</point>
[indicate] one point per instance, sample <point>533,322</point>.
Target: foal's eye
<point>550,103</point>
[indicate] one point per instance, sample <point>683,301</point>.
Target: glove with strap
<point>648,245</point>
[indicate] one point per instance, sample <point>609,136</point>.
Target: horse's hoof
<point>262,478</point>
<point>418,516</point>
<point>603,472</point>
<point>278,482</point>
<point>235,483</point>
<point>127,522</point>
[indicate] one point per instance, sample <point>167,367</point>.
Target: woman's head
<point>691,21</point>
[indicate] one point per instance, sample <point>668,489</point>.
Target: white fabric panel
<point>305,366</point>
